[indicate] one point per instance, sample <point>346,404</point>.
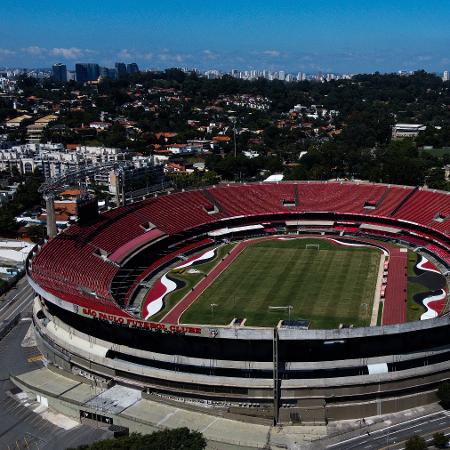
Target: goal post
<point>312,246</point>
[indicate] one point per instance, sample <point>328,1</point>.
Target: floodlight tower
<point>52,186</point>
<point>51,217</point>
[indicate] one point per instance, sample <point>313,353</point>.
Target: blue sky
<point>295,35</point>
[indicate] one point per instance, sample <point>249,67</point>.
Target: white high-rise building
<point>446,76</point>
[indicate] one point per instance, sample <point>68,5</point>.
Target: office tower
<point>86,72</point>
<point>106,72</point>
<point>59,73</point>
<point>121,69</point>
<point>446,76</point>
<point>132,68</point>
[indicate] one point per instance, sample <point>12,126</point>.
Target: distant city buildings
<point>59,73</point>
<point>121,69</point>
<point>87,72</point>
<point>132,68</point>
<point>278,75</point>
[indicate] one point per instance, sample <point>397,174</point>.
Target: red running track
<point>396,295</point>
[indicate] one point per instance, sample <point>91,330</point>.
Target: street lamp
<point>233,121</point>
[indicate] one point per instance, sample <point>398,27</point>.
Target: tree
<point>176,439</point>
<point>36,233</point>
<point>416,443</point>
<point>440,440</point>
<point>443,393</point>
<point>8,224</point>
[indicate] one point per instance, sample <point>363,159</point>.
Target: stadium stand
<point>83,261</point>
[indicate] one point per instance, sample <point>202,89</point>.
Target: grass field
<point>329,286</point>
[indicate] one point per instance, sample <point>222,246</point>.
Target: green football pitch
<point>328,286</point>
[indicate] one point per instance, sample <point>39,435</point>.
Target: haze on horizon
<point>295,35</point>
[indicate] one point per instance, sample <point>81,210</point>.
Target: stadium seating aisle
<point>241,200</point>
<point>395,194</point>
<point>340,197</point>
<point>424,206</point>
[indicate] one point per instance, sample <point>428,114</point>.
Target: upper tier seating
<point>424,206</point>
<point>242,200</point>
<point>337,197</point>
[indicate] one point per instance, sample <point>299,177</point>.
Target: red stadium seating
<point>424,206</point>
<point>76,261</point>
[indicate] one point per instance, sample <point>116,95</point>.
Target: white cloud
<point>70,53</point>
<point>210,55</point>
<point>272,53</point>
<point>34,50</point>
<point>125,54</point>
<point>6,52</point>
<point>168,57</point>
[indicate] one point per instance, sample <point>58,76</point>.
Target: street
<point>20,427</point>
<point>16,300</point>
<point>394,436</point>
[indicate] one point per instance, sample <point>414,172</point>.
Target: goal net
<point>312,246</point>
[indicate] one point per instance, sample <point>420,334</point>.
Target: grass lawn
<point>438,152</point>
<point>329,286</point>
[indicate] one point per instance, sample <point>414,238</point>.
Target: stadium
<point>289,302</point>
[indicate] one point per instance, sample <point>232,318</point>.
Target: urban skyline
<point>288,35</point>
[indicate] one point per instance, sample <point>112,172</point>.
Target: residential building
<point>407,130</point>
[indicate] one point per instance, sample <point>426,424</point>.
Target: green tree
<point>176,439</point>
<point>36,233</point>
<point>443,393</point>
<point>440,440</point>
<point>416,443</point>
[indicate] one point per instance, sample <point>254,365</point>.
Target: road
<point>16,300</point>
<point>394,436</point>
<point>20,427</point>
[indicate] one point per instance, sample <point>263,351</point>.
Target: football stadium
<point>289,302</point>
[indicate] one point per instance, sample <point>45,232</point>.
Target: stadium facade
<point>89,282</point>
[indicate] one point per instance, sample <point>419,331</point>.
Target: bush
<point>443,393</point>
<point>440,440</point>
<point>176,439</point>
<point>416,443</point>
